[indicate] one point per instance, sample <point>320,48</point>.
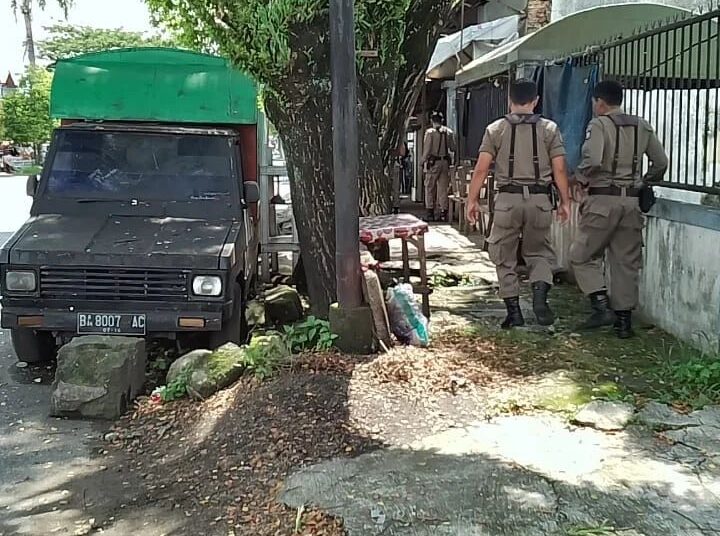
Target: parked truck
<point>142,222</point>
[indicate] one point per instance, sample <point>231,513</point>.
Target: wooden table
<point>409,229</point>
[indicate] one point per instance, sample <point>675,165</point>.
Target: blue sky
<point>127,14</point>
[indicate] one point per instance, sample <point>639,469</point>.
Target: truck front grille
<point>125,284</point>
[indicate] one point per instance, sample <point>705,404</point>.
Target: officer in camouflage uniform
<point>529,155</point>
<point>611,221</point>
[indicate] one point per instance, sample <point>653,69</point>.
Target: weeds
<point>601,530</point>
<point>689,377</point>
<point>443,279</point>
<point>311,335</point>
<point>177,388</point>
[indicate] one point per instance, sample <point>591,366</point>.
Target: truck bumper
<point>157,322</point>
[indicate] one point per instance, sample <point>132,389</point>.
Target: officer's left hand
<point>563,212</point>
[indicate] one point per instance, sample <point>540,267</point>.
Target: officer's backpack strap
<point>624,121</point>
<point>514,121</point>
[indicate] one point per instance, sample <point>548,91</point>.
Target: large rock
<point>283,305</point>
<point>97,377</point>
<point>662,417</point>
<point>605,415</point>
<point>208,372</point>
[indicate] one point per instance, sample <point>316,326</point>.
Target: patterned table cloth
<point>383,228</point>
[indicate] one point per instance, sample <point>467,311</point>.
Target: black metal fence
<point>671,75</point>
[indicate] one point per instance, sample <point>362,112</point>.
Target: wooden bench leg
<point>406,261</point>
<point>423,276</point>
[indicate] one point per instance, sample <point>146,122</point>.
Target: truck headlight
<point>207,285</point>
<point>20,281</point>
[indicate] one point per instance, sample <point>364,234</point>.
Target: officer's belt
<point>515,189</point>
<point>615,191</point>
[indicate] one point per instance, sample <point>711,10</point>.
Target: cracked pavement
<point>529,475</point>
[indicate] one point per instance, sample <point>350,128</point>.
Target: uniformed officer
<point>438,147</point>
<point>610,218</point>
<point>529,154</point>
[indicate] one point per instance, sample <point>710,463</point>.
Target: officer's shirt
<point>598,152</point>
<point>496,143</point>
<point>438,143</point>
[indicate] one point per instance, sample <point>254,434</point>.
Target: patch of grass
<point>445,279</point>
<point>601,530</point>
<point>688,376</point>
<point>575,368</point>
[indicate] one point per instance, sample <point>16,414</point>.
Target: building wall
<point>680,282</point>
<point>562,8</point>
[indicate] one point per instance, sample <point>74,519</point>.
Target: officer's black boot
<point>543,313</point>
<point>430,215</point>
<point>601,315</point>
<point>514,317</point>
<point>623,324</point>
<point>396,210</point>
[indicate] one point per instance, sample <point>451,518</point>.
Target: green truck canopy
<point>153,84</point>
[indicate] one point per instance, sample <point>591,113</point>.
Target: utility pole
<point>350,319</point>
<point>345,152</point>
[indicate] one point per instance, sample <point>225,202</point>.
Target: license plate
<point>110,324</point>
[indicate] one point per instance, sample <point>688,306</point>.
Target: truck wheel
<point>33,346</point>
<point>234,329</point>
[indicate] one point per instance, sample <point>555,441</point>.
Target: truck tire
<point>234,329</point>
<point>33,346</point>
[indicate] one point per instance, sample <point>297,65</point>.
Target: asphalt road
<point>41,458</point>
<point>55,477</point>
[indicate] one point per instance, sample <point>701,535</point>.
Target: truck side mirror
<point>32,185</point>
<point>252,192</point>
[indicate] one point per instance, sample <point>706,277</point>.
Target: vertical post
<point>345,152</point>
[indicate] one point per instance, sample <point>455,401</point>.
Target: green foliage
<point>443,279</point>
<point>176,389</point>
<point>690,377</point>
<point>66,41</point>
<point>16,5</point>
<point>255,33</point>
<point>312,334</point>
<point>264,355</point>
<point>26,112</point>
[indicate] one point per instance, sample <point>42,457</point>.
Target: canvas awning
<point>567,36</point>
<point>453,51</point>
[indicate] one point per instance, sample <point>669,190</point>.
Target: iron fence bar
<point>717,97</point>
<point>688,93</point>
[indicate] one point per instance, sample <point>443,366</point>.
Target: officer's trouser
<point>531,217</point>
<point>437,183</point>
<point>612,224</point>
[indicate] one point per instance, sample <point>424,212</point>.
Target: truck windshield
<point>93,165</point>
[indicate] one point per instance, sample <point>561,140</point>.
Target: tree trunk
<point>26,10</point>
<point>305,127</point>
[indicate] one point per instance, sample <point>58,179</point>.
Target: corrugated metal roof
<point>566,36</point>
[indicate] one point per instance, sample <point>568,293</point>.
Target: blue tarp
<point>566,98</point>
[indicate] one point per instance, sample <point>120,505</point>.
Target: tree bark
<point>26,10</point>
<point>299,106</point>
<point>306,132</point>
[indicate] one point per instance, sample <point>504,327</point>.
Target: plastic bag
<point>407,322</point>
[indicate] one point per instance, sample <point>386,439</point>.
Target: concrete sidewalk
<point>516,475</point>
